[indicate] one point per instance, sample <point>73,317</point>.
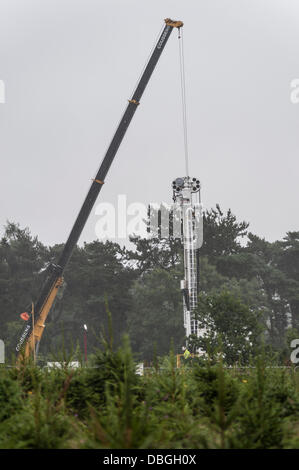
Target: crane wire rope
<point>183,96</point>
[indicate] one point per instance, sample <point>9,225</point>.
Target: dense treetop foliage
<point>249,290</point>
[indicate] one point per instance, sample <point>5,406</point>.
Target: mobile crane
<point>35,320</point>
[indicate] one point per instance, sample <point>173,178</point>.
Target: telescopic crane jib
<point>35,323</point>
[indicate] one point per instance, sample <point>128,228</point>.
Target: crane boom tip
<point>174,23</point>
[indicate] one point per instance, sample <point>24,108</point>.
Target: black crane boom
<point>52,283</point>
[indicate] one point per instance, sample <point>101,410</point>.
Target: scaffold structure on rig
<point>187,211</point>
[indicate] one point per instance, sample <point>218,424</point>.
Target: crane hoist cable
<point>183,96</point>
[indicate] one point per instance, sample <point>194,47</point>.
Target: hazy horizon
<point>69,68</point>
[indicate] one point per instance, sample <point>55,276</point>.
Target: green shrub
<point>37,426</point>
<point>10,396</point>
<point>121,421</point>
<point>260,421</point>
<point>208,379</point>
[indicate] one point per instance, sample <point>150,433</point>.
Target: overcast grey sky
<point>69,67</point>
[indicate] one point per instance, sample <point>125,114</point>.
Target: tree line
<point>249,290</point>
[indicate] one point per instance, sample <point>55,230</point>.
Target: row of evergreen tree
<point>249,289</point>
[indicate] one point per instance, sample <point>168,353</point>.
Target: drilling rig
<point>187,210</point>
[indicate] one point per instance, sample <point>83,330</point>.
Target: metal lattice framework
<point>187,208</point>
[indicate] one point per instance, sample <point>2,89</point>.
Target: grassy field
<point>201,405</point>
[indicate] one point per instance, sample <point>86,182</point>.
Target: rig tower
<point>187,215</point>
